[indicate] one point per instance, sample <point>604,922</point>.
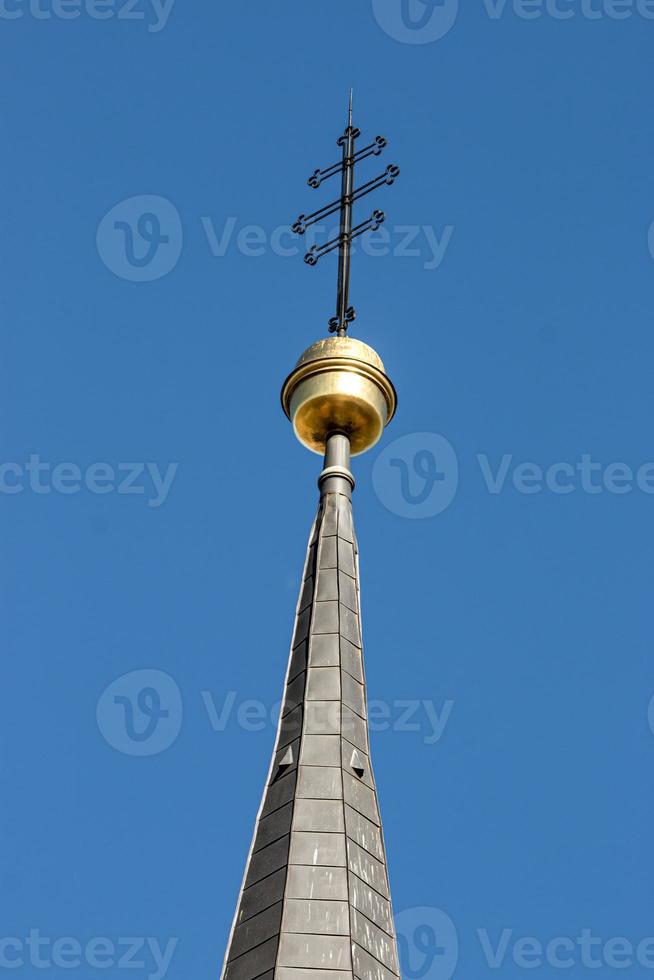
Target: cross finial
<point>345,313</point>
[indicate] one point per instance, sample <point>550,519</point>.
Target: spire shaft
<point>336,477</point>
<point>316,896</point>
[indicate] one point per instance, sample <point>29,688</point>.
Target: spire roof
<point>316,895</point>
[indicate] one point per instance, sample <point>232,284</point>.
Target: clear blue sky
<point>528,144</point>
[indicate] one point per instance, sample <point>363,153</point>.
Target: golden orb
<point>339,385</point>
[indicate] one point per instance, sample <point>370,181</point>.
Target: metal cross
<point>345,313</point>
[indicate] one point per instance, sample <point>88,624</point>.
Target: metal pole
<point>336,476</point>
<point>345,247</point>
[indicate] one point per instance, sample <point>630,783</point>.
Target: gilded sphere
<point>339,385</point>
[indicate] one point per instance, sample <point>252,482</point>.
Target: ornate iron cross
<point>345,313</point>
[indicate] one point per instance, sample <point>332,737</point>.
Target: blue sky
<point>156,506</point>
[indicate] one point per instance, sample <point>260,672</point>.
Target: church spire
<point>315,902</point>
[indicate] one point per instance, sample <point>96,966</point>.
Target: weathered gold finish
<point>339,385</point>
